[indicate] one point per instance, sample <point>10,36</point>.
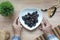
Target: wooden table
<point>6,23</point>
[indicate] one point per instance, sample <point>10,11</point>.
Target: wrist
<point>17,33</point>
<point>48,32</point>
<point>16,37</point>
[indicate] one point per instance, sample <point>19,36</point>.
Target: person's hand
<point>46,27</point>
<point>17,26</point>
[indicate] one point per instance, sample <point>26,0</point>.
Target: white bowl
<point>30,10</point>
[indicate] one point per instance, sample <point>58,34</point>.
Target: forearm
<point>48,32</point>
<point>16,37</point>
<point>50,36</point>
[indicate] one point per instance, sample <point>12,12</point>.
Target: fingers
<point>17,20</point>
<point>45,21</point>
<point>42,25</point>
<point>19,23</point>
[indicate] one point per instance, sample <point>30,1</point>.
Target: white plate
<point>30,10</point>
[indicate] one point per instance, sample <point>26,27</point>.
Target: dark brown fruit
<point>31,19</point>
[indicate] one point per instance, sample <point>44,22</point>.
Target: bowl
<point>30,10</point>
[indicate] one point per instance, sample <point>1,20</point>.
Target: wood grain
<point>6,23</point>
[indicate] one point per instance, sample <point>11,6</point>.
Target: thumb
<point>42,24</point>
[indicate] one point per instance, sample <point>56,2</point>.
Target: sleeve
<point>16,37</point>
<point>52,37</point>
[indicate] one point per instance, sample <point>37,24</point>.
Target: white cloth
<point>52,37</point>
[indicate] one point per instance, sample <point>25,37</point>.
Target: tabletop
<point>6,22</point>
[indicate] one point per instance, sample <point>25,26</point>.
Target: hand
<point>17,27</point>
<point>46,27</point>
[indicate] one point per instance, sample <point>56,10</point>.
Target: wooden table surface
<point>6,23</point>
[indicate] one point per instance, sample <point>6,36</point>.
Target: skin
<point>17,27</point>
<point>46,27</point>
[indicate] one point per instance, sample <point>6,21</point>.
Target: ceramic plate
<point>30,10</point>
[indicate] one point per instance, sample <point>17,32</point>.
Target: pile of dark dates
<point>31,19</point>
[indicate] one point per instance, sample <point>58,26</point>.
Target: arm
<point>46,27</point>
<point>16,37</point>
<point>50,35</point>
<point>17,30</point>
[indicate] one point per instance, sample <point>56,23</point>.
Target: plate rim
<point>30,8</point>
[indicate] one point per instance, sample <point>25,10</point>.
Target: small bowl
<point>30,10</point>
